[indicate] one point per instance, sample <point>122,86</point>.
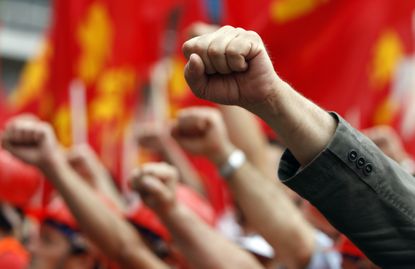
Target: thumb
<point>158,191</point>
<point>194,73</point>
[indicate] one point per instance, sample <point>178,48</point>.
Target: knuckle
<point>227,27</point>
<point>214,51</point>
<point>232,51</point>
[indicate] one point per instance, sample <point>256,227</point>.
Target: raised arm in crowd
<point>362,192</point>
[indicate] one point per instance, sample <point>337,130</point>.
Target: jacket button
<point>360,162</point>
<point>352,155</point>
<point>368,169</point>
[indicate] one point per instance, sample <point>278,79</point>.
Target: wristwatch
<point>235,160</point>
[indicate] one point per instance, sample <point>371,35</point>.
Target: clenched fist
<point>231,67</point>
<point>202,131</point>
<point>156,183</point>
<point>30,140</point>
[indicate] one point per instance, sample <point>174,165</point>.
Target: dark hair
<point>5,224</point>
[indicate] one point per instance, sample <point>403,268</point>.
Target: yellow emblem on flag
<point>62,123</point>
<point>388,51</point>
<point>33,78</point>
<point>112,87</point>
<point>95,38</point>
<point>283,11</point>
<point>385,112</point>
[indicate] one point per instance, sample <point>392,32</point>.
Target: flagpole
<point>77,96</point>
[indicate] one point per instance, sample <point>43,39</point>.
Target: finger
<point>217,49</point>
<point>192,125</point>
<point>162,171</point>
<point>153,192</point>
<point>134,178</point>
<point>28,133</point>
<point>194,73</point>
<point>245,46</point>
<point>199,46</point>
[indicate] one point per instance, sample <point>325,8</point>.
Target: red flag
<point>344,55</point>
<point>97,57</point>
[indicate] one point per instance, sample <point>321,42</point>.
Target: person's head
<point>60,245</point>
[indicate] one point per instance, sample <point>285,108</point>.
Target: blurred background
<point>92,67</point>
<point>23,25</point>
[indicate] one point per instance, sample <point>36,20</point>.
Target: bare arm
<point>231,66</point>
<point>245,133</point>
<point>85,161</point>
<point>263,202</point>
<point>35,143</point>
<point>156,138</point>
<point>202,246</point>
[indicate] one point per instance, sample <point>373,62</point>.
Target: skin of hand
<point>31,141</point>
<point>231,66</point>
<point>388,140</point>
<point>201,131</point>
<point>200,28</point>
<point>219,60</point>
<point>156,183</point>
<point>87,164</point>
<point>34,142</point>
<point>152,136</point>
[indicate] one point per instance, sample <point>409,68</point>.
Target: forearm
<point>112,234</point>
<point>245,133</point>
<point>201,245</point>
<point>363,193</point>
<point>305,128</point>
<point>267,208</point>
<point>175,155</point>
<point>106,186</point>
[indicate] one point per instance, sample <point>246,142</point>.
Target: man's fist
<point>152,136</point>
<point>230,66</point>
<point>388,140</point>
<point>156,183</point>
<point>30,140</point>
<point>202,131</point>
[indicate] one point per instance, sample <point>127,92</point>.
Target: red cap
<point>19,181</point>
<point>57,211</point>
<point>12,254</point>
<point>146,218</point>
<point>346,247</point>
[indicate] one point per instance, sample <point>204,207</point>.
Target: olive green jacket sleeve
<point>363,193</point>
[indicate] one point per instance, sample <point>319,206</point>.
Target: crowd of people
<point>332,199</point>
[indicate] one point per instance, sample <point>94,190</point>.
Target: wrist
<point>52,160</point>
<point>271,105</point>
<point>171,214</point>
<point>221,154</point>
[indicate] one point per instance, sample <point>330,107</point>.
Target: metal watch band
<point>235,160</point>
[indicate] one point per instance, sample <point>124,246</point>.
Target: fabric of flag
<point>354,57</point>
<point>105,48</point>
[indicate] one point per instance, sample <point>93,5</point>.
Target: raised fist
<point>30,140</point>
<point>202,131</point>
<point>388,140</point>
<point>156,183</point>
<point>231,67</point>
<point>152,136</point>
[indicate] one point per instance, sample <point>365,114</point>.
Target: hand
<point>202,131</point>
<point>156,183</point>
<point>152,136</point>
<point>30,140</point>
<point>388,141</point>
<point>85,162</point>
<point>231,67</point>
<point>201,28</point>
